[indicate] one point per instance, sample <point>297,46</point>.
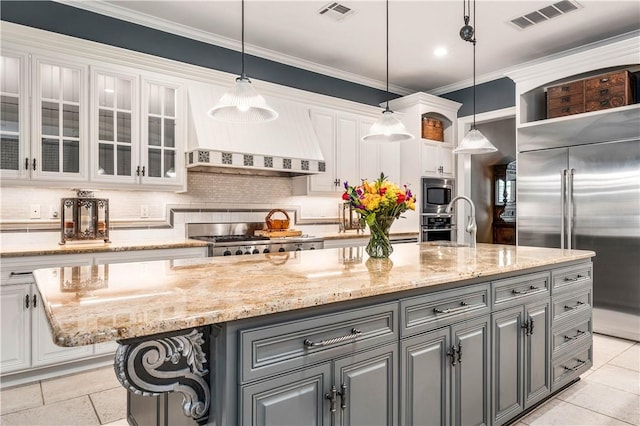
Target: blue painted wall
<point>71,21</point>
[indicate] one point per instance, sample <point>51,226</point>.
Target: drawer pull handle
<point>565,88</point>
<point>343,396</point>
<point>566,109</point>
<point>604,102</point>
<point>463,306</point>
<point>331,396</point>
<point>578,334</point>
<point>604,91</point>
<point>13,274</point>
<point>354,333</point>
<point>573,279</point>
<point>565,99</point>
<point>576,367</point>
<point>578,304</point>
<point>531,289</point>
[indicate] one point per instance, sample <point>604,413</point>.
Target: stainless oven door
<point>446,234</point>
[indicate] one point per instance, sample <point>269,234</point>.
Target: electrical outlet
<point>34,211</point>
<point>144,211</point>
<point>53,212</point>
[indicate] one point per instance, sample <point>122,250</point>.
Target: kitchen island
<point>326,336</point>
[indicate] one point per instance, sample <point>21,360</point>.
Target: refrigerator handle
<point>563,205</point>
<point>570,209</point>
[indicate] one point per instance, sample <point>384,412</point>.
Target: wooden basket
<point>432,129</point>
<point>277,223</point>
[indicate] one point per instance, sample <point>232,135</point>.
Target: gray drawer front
<point>571,366</point>
<point>570,305</point>
<point>435,310</point>
<point>518,290</point>
<point>273,349</point>
<point>571,277</point>
<point>571,335</point>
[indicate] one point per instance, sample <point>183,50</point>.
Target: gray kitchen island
<point>436,334</point>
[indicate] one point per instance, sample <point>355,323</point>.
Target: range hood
<point>287,146</point>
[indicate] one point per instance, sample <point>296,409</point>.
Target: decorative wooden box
<point>609,90</point>
<point>432,129</point>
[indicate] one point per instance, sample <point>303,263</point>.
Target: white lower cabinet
<point>27,341</point>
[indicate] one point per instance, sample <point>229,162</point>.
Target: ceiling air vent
<point>335,11</point>
<point>544,14</point>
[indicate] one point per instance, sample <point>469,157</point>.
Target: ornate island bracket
<point>175,363</point>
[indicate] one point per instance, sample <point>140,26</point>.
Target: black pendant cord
<point>474,64</point>
<point>242,75</point>
<point>387,49</point>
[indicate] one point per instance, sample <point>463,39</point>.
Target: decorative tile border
<point>255,162</point>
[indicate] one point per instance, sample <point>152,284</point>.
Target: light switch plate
<point>34,211</point>
<point>144,211</point>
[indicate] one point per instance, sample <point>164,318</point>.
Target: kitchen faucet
<point>471,228</point>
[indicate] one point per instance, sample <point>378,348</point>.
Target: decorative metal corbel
<point>176,363</point>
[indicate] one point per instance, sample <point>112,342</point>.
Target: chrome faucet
<point>471,228</point>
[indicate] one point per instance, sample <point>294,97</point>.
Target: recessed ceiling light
<point>440,51</point>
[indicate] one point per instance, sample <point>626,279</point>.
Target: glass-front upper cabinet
<point>162,133</point>
<point>14,148</point>
<point>59,149</point>
<point>115,129</point>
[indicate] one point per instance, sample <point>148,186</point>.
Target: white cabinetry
<point>27,342</point>
<point>423,157</point>
<point>378,157</point>
<point>14,113</point>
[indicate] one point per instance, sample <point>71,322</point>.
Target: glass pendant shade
<point>242,104</point>
<point>475,142</point>
<point>387,129</point>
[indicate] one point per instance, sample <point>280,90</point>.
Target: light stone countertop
<point>92,304</point>
<point>39,249</point>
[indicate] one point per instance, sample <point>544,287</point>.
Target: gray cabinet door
<point>295,399</point>
<point>537,371</point>
<point>470,384</point>
<point>507,376</point>
<point>371,392</point>
<point>424,377</point>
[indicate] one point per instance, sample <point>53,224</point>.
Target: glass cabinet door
<point>114,130</point>
<point>59,149</point>
<point>162,139</point>
<point>14,154</point>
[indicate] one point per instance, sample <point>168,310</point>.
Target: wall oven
<point>435,223</point>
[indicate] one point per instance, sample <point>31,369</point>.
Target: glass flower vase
<point>379,245</point>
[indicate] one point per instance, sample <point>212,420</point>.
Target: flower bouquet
<point>379,203</point>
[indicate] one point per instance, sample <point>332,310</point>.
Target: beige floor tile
<point>628,359</point>
<point>605,348</point>
<point>20,398</point>
<point>560,413</point>
<point>121,422</point>
<point>75,385</point>
<point>77,411</point>
<point>617,377</point>
<point>111,404</point>
<point>604,400</point>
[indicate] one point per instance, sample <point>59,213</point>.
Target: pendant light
<point>473,142</point>
<point>242,103</point>
<point>388,128</point>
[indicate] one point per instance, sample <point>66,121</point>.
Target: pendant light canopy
<point>242,103</point>
<point>388,128</point>
<point>473,142</point>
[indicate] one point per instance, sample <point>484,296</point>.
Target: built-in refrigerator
<point>588,197</point>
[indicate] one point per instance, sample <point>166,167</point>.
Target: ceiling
<point>353,48</point>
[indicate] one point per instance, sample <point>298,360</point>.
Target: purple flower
<point>346,185</point>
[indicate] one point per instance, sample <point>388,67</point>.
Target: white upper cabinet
<point>163,133</point>
<point>378,157</point>
<point>14,140</point>
<point>115,133</point>
<point>59,120</point>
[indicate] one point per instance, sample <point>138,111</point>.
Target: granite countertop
<point>365,234</point>
<point>30,249</point>
<point>92,304</point>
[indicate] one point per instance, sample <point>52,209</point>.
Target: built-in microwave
<point>436,194</point>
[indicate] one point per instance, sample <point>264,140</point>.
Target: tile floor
<point>609,394</point>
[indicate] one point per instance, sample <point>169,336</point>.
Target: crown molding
<point>121,13</point>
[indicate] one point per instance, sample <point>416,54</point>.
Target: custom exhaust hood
<point>287,146</point>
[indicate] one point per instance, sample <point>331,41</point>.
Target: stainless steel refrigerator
<point>588,197</point>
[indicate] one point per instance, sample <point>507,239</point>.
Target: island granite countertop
<point>98,303</point>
